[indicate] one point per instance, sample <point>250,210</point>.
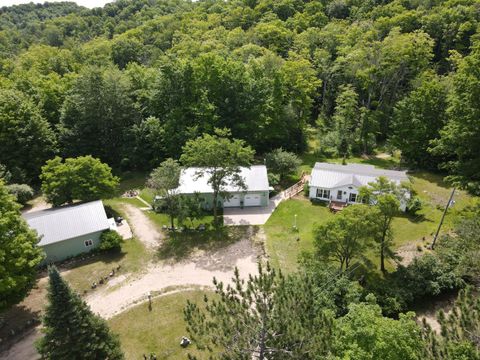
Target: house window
<point>88,243</point>
<point>339,195</point>
<point>323,193</point>
<point>353,197</point>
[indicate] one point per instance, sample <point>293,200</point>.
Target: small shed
<point>69,230</point>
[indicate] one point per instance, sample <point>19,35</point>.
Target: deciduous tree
<point>365,334</point>
<point>164,180</point>
<point>84,178</point>
<point>418,119</point>
<point>219,158</point>
<point>19,254</point>
<point>282,162</point>
<point>345,237</point>
<point>26,139</point>
<point>458,143</point>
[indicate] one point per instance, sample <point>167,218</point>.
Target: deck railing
<point>296,188</point>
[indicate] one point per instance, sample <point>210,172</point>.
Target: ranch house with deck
<point>339,184</point>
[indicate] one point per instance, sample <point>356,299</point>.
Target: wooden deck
<point>337,206</point>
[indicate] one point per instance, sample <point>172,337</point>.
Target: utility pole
<point>443,217</point>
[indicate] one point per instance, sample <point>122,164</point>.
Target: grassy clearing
<point>158,331</point>
<point>162,219</point>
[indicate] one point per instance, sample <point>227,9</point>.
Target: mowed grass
<point>434,193</point>
<point>284,249</point>
<point>158,331</point>
<point>284,244</point>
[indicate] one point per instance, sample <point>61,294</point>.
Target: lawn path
<point>142,226</point>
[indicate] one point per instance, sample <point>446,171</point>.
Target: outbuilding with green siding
<point>256,192</point>
<point>69,230</point>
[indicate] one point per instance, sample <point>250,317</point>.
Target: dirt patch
<point>409,252</point>
<point>36,204</point>
<point>223,258</point>
<point>430,311</point>
<point>197,270</point>
<point>142,227</point>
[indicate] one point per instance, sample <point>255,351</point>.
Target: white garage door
<point>234,201</point>
<point>253,200</point>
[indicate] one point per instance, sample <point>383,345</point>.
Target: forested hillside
<point>132,82</point>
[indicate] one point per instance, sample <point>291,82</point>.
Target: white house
<point>256,192</point>
<point>340,183</point>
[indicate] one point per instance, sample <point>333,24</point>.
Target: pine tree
<point>460,330</point>
<point>268,316</point>
<point>71,330</point>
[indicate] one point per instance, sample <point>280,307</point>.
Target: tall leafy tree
<point>385,196</point>
<point>267,316</point>
<point>458,143</point>
<point>71,330</point>
<point>387,206</point>
<point>26,139</point>
<point>345,237</point>
<point>19,254</point>
<point>97,115</point>
<point>219,158</point>
<point>365,334</point>
<point>164,180</point>
<point>282,162</point>
<point>345,121</point>
<point>84,178</point>
<point>418,119</point>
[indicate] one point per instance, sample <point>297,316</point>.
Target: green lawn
<point>147,195</point>
<point>283,244</point>
<point>132,180</point>
<point>132,258</point>
<point>158,331</point>
<point>283,248</point>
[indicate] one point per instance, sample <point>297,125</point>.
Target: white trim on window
<point>352,197</point>
<point>88,243</point>
<point>339,194</point>
<point>323,194</point>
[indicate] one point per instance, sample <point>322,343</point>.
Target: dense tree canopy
<point>26,138</point>
<point>132,82</point>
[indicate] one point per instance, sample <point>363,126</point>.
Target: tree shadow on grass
<point>16,321</point>
<point>414,218</point>
<point>106,257</point>
<point>179,245</point>
<point>434,178</point>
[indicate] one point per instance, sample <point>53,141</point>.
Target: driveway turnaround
<point>251,215</point>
